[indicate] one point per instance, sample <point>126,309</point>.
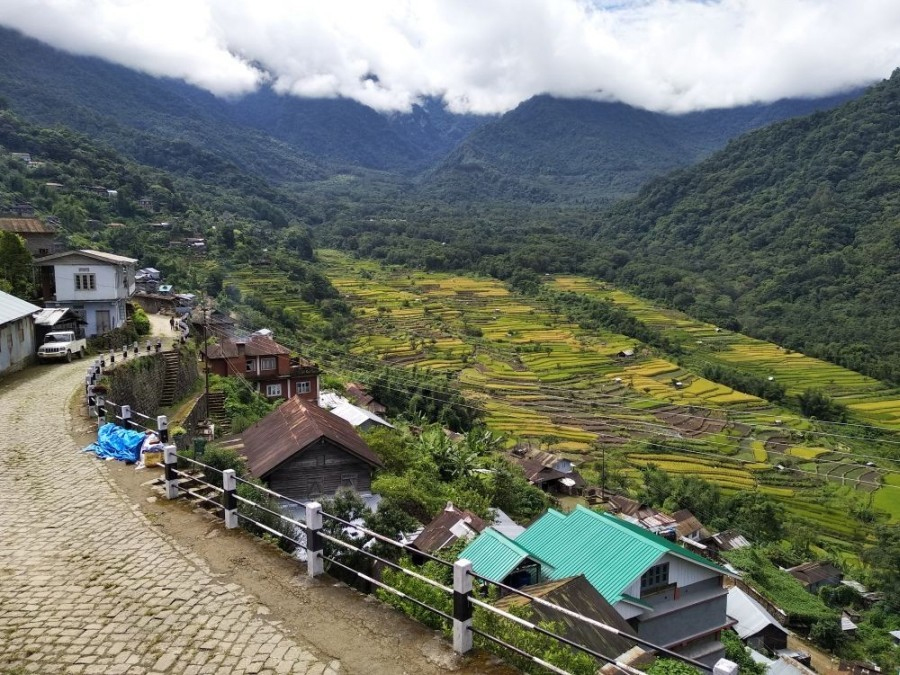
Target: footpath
<point>88,584</point>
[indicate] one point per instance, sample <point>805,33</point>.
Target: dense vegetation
<point>790,233</point>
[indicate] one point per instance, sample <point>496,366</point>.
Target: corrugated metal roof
<point>751,617</point>
<point>49,316</point>
<point>610,552</point>
<point>26,226</point>
<point>87,253</point>
<point>494,556</point>
<point>292,428</point>
<point>357,416</point>
<point>443,529</point>
<point>13,308</point>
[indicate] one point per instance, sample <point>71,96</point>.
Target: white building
<point>16,332</point>
<point>94,284</point>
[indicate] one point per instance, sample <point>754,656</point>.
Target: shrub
<point>141,322</point>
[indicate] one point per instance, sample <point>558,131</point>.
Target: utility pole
<point>205,349</point>
<point>602,471</point>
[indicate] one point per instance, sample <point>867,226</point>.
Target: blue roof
<point>494,555</point>
<point>610,552</point>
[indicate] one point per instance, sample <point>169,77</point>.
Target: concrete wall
<point>16,344</point>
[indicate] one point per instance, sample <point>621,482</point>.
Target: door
<point>103,324</point>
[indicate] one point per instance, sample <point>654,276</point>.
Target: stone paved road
<point>86,585</point>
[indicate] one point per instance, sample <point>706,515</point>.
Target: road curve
<point>86,584</point>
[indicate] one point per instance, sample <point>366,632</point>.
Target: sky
<point>486,56</point>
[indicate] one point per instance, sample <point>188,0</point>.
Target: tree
<point>756,515</point>
<point>15,266</point>
<point>815,403</point>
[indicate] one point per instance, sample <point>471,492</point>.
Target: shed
<point>57,318</point>
<point>450,525</point>
<point>498,558</point>
<point>360,418</point>
<point>815,575</point>
<point>304,452</point>
<point>755,626</point>
<point>16,332</point>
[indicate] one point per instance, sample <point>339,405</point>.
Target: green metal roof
<point>493,555</point>
<point>610,552</point>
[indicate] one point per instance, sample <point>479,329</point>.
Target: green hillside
<point>790,233</point>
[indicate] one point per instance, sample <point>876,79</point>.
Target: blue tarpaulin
<point>117,443</point>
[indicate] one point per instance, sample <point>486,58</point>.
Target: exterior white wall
<point>15,353</point>
<point>112,282</point>
<point>681,572</point>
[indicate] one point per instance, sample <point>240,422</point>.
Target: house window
<point>304,387</point>
<point>273,389</point>
<point>85,282</point>
<point>251,365</point>
<point>655,577</point>
<point>267,363</point>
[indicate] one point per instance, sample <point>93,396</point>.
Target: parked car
<point>61,345</point>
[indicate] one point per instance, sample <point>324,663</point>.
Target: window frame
<point>85,281</point>
<point>250,365</point>
<point>655,578</point>
<point>264,362</point>
<point>270,388</point>
<point>303,383</point>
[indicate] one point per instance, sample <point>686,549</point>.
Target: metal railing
<point>309,535</point>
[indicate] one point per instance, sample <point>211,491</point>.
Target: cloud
<point>667,55</point>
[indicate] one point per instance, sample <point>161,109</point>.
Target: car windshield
<point>56,338</point>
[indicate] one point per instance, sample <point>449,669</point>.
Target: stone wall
<point>139,382</point>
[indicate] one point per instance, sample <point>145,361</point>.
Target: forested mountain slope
<point>791,232</point>
<point>579,151</point>
<point>167,123</point>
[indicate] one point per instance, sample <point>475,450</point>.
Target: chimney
<point>240,347</point>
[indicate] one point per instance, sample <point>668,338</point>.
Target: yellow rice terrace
<point>540,377</point>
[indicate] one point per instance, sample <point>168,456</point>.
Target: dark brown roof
<point>536,472</point>
<point>362,398</point>
<point>438,534</point>
<point>578,595</point>
<point>255,345</point>
<point>686,524</point>
<point>26,226</point>
<point>292,428</point>
<point>630,507</point>
<point>814,572</point>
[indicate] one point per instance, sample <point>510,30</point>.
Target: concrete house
<point>304,452</point>
<point>267,364</point>
<point>669,595</point>
<point>16,333</point>
<point>95,285</point>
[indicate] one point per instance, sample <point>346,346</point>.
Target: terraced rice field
<point>870,400</point>
<point>540,378</point>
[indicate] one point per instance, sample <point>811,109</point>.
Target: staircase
<point>215,412</point>
<point>171,379</point>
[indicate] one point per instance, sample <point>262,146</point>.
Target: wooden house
<point>267,364</point>
<point>40,238</point>
<point>304,452</point>
<point>816,575</point>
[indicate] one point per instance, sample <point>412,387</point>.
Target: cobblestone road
<point>86,585</point>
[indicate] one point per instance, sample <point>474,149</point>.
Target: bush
<point>141,322</point>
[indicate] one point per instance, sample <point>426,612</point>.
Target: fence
<point>310,535</point>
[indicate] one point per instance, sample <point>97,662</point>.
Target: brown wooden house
<point>304,452</point>
<point>267,364</point>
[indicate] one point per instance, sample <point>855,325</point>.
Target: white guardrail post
<point>462,608</point>
<point>229,484</point>
<point>315,565</point>
<point>170,461</point>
